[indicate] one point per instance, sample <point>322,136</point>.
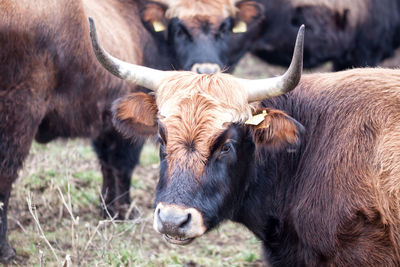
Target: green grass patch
<point>149,155</point>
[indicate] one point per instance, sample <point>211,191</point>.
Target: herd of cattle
<point>310,164</point>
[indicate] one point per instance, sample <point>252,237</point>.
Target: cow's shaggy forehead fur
<point>195,109</point>
<point>202,8</point>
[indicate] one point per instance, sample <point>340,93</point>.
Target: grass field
<point>54,218</point>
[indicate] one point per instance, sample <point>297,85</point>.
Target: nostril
<point>216,69</point>
<point>186,221</point>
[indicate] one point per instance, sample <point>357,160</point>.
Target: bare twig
<point>18,223</point>
<point>68,206</point>
<point>67,261</point>
<point>35,218</point>
<point>118,197</point>
<point>41,258</point>
<point>132,207</point>
<point>103,202</point>
<point>91,238</point>
<point>75,221</point>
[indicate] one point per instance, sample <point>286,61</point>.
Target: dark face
<point>187,204</point>
<point>200,47</point>
<point>326,38</point>
<point>204,44</point>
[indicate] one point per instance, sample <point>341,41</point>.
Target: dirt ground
<point>54,216</point>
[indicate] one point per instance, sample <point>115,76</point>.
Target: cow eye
<point>183,32</point>
<point>226,148</point>
<point>224,28</point>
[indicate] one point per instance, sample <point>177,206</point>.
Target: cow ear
<point>275,130</point>
<point>153,18</point>
<point>249,13</point>
<point>135,115</point>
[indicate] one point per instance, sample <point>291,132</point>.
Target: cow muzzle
<point>206,68</point>
<point>179,225</point>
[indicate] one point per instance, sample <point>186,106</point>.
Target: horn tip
<point>92,26</point>
<point>301,31</point>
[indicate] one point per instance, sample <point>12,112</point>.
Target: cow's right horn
<point>143,76</point>
<point>261,89</point>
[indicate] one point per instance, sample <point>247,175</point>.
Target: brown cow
<point>315,174</point>
<point>51,86</point>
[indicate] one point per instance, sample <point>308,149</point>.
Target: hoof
<point>7,253</point>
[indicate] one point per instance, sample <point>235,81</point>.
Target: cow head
<point>204,36</point>
<point>330,25</point>
<point>207,139</point>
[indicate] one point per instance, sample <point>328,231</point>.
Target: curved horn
<point>261,89</point>
<point>143,76</point>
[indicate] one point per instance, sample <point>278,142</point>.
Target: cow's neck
<point>264,210</point>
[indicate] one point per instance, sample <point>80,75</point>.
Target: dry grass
<point>54,218</point>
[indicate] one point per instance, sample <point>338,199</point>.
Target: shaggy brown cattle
<point>51,85</point>
<point>314,174</point>
<point>203,35</point>
<point>353,33</point>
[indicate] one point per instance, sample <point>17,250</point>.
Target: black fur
<point>214,205</point>
<point>330,35</point>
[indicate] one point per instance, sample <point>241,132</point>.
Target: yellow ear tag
<point>158,26</point>
<point>257,119</point>
<point>240,27</point>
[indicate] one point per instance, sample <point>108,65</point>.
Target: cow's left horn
<point>143,76</point>
<point>264,88</point>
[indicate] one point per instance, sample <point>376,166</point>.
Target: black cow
<point>349,33</point>
<point>203,35</point>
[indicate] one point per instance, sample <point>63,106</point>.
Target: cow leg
<point>20,115</point>
<point>118,157</point>
<point>12,154</point>
<point>6,251</point>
